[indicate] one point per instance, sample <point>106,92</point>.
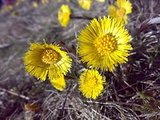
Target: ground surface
<point>133,91</point>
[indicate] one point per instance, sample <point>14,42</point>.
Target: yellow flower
<point>46,60</point>
<point>125,4</point>
<point>104,44</point>
<point>121,10</point>
<point>35,4</point>
<point>118,13</point>
<point>45,1</point>
<point>64,15</point>
<point>101,0</point>
<point>85,4</point>
<point>91,83</point>
<point>59,83</point>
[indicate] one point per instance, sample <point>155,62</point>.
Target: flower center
<point>91,81</point>
<point>105,44</point>
<point>50,56</point>
<point>121,12</point>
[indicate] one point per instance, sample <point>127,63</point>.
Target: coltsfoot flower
<point>101,0</point>
<point>104,44</point>
<point>45,1</point>
<point>125,4</point>
<point>64,13</point>
<point>121,9</point>
<point>91,83</point>
<point>85,4</point>
<point>47,60</point>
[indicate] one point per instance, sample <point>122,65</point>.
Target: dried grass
<point>133,91</point>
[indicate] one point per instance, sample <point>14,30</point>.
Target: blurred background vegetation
<point>133,90</point>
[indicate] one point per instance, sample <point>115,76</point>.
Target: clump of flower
<point>120,10</point>
<point>91,83</point>
<point>48,60</point>
<point>85,4</point>
<point>104,44</point>
<point>64,13</point>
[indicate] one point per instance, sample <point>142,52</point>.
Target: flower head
<point>42,60</point>
<point>45,1</point>
<point>121,9</point>
<point>125,4</point>
<point>104,44</point>
<point>101,0</point>
<point>34,4</point>
<point>91,83</point>
<point>64,13</point>
<point>85,4</point>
